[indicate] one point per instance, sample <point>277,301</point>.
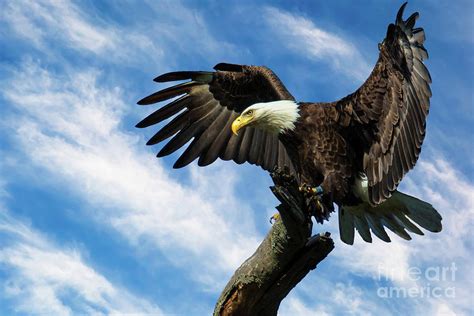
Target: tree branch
<point>282,260</point>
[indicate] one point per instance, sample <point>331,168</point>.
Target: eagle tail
<point>399,214</point>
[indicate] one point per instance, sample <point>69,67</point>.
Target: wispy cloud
<point>35,20</point>
<point>47,24</point>
<point>338,298</point>
<point>45,279</point>
<point>305,38</point>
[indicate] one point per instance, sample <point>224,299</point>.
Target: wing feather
<point>389,110</point>
<point>255,147</point>
<point>203,141</point>
<point>245,145</point>
<point>170,129</point>
<point>200,141</point>
<point>218,143</point>
<point>168,93</point>
<point>192,130</point>
<point>165,112</point>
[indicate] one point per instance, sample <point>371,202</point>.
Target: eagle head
<point>275,117</point>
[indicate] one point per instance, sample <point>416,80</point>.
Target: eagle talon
<point>274,218</point>
<point>316,207</point>
<point>319,205</point>
<point>304,188</point>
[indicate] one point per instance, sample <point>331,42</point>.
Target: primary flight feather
<point>353,152</point>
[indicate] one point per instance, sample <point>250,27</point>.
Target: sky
<point>92,223</point>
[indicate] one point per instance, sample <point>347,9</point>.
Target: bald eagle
<point>353,152</point>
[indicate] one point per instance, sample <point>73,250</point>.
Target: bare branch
<point>282,260</point>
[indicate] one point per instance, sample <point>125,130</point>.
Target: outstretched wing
<point>389,110</point>
<point>208,105</point>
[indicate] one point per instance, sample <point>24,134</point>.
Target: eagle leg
<point>274,218</point>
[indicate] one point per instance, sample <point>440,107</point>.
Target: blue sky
<point>92,223</point>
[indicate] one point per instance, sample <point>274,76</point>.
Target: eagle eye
<point>249,113</point>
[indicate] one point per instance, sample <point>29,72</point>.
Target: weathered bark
<point>282,260</point>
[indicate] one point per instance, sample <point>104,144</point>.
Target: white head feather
<point>276,116</point>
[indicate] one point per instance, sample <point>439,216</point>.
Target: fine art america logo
<point>434,281</point>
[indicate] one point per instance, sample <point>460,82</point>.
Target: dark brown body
<point>320,153</point>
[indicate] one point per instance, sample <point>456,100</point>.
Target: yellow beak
<point>236,125</point>
<point>239,123</point>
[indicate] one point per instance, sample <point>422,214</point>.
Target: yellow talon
<point>320,206</point>
<point>274,218</point>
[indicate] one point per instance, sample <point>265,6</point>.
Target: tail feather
<point>376,226</point>
<point>405,222</point>
<point>421,213</point>
<point>346,226</point>
<point>362,227</point>
<point>399,214</point>
<point>394,226</point>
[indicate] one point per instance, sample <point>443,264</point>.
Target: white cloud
<point>305,38</point>
<point>35,20</point>
<point>295,306</point>
<point>43,279</point>
<point>185,32</point>
<point>48,24</point>
<point>323,295</point>
<point>440,183</point>
<point>70,127</point>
